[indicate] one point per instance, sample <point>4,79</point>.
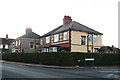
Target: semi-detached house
<point>29,42</point>
<point>71,37</point>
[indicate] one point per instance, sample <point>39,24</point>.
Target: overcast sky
<point>44,15</point>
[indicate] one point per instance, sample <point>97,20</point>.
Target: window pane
<point>16,43</point>
<point>19,42</point>
<point>1,46</point>
<point>41,42</point>
<point>90,37</point>
<point>32,45</point>
<point>65,36</point>
<point>83,40</point>
<point>6,46</point>
<point>56,38</point>
<point>95,38</point>
<point>48,39</point>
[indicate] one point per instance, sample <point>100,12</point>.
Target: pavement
<point>52,66</point>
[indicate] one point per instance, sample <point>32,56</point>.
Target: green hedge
<point>64,58</point>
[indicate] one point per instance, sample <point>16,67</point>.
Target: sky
<point>45,15</point>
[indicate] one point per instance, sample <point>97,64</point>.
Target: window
<point>65,36</point>
<point>44,49</point>
<point>96,49</point>
<point>19,42</point>
<point>95,37</point>
<point>48,39</point>
<point>1,46</point>
<point>41,42</point>
<point>32,45</point>
<point>56,38</point>
<point>83,40</point>
<point>54,49</point>
<point>16,43</point>
<point>6,46</point>
<point>90,37</point>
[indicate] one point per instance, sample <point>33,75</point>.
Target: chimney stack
<point>112,46</point>
<point>6,36</point>
<point>28,30</point>
<point>67,19</point>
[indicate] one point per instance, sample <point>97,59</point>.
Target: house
<point>29,42</point>
<point>5,44</point>
<point>108,49</point>
<point>71,37</point>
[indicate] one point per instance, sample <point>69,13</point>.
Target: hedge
<point>64,58</point>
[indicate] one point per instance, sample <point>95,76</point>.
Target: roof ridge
<point>27,34</point>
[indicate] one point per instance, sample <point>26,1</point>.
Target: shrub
<point>64,58</point>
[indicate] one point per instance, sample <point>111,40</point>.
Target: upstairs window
<point>19,42</point>
<point>65,36</point>
<point>95,38</point>
<point>32,44</point>
<point>56,38</point>
<point>48,39</point>
<point>41,41</point>
<point>90,37</point>
<point>83,40</point>
<point>16,43</point>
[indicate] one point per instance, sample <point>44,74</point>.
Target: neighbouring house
<point>5,44</point>
<point>71,37</point>
<point>108,49</point>
<point>29,42</point>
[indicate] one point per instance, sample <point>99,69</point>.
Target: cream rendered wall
<point>76,42</point>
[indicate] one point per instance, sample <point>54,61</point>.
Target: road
<point>20,71</point>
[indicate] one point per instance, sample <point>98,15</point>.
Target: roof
<point>75,26</point>
<point>30,35</point>
<point>5,40</point>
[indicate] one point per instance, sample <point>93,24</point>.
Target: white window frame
<point>41,41</point>
<point>19,42</point>
<point>6,46</point>
<point>65,36</point>
<point>54,49</point>
<point>56,38</point>
<point>1,46</point>
<point>33,45</point>
<point>16,43</point>
<point>48,39</point>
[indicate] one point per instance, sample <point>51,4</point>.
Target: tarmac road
<point>21,71</point>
